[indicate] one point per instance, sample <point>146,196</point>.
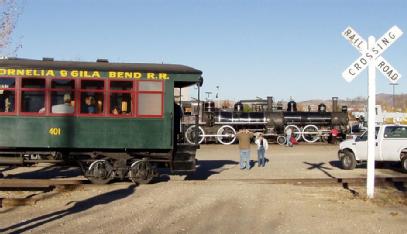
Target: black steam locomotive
<point>262,116</point>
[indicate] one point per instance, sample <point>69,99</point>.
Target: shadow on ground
<point>321,167</point>
<point>78,207</point>
<point>49,173</point>
<point>395,166</point>
<point>207,168</point>
<point>400,186</point>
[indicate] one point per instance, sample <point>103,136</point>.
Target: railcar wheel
<point>228,135</point>
<point>100,172</point>
<point>190,135</point>
<point>141,172</point>
<point>310,133</point>
<point>348,161</point>
<point>281,140</point>
<point>296,131</point>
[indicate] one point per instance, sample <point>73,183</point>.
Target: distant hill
<point>359,103</point>
<point>353,104</point>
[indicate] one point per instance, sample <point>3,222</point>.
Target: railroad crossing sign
<point>371,58</point>
<point>370,55</point>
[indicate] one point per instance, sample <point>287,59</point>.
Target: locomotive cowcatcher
<point>114,120</point>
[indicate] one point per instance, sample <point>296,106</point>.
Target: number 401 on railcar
<point>116,120</point>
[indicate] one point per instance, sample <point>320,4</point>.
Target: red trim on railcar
<point>77,93</point>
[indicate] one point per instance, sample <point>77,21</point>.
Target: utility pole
<point>208,93</point>
<point>394,100</point>
<point>217,96</point>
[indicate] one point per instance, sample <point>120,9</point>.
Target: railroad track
<point>360,181</point>
<point>48,185</point>
<point>36,183</point>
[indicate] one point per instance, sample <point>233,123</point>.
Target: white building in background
<point>383,116</point>
<point>184,92</point>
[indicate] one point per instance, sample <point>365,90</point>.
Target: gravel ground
<point>209,203</point>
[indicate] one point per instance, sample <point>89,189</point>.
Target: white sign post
<point>371,58</point>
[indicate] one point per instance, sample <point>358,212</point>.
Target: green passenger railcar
<point>116,120</point>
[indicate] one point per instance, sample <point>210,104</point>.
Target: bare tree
<point>9,13</point>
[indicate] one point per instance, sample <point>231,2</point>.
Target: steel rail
<point>36,183</point>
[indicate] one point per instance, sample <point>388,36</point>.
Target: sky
<point>246,48</point>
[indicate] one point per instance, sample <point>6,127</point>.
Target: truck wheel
<point>348,161</point>
<point>404,164</point>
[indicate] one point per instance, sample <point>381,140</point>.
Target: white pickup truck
<point>391,145</point>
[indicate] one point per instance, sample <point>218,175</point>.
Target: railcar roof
<point>97,66</point>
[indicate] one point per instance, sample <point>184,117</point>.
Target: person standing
<point>244,137</point>
<point>262,146</point>
<point>65,108</point>
<point>334,135</point>
<point>90,105</point>
<point>288,137</point>
<point>178,113</point>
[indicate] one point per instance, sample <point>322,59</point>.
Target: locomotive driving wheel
<point>100,172</point>
<point>281,140</point>
<point>191,134</point>
<point>141,172</point>
<point>310,133</point>
<point>226,135</point>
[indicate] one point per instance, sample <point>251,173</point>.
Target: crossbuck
<point>371,57</point>
<point>371,54</point>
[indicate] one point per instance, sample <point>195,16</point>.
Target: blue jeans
<point>245,159</point>
<point>260,156</point>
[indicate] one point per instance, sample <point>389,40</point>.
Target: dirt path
<point>199,207</point>
<point>209,203</point>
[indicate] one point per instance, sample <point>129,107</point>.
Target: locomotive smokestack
<point>270,104</point>
<point>334,104</point>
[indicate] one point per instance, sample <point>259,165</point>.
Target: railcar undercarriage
<point>101,167</point>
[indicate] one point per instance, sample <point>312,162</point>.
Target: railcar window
<point>92,97</point>
<point>121,85</point>
<point>33,95</point>
<point>33,83</point>
<point>150,86</point>
<point>93,84</point>
<point>62,96</point>
<point>149,104</point>
<point>63,84</point>
<point>121,97</point>
<point>7,95</point>
<point>150,98</point>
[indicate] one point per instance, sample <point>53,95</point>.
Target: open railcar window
<point>7,95</point>
<point>63,96</point>
<point>33,95</point>
<point>121,98</point>
<point>92,97</point>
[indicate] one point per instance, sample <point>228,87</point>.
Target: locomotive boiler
<point>264,117</point>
